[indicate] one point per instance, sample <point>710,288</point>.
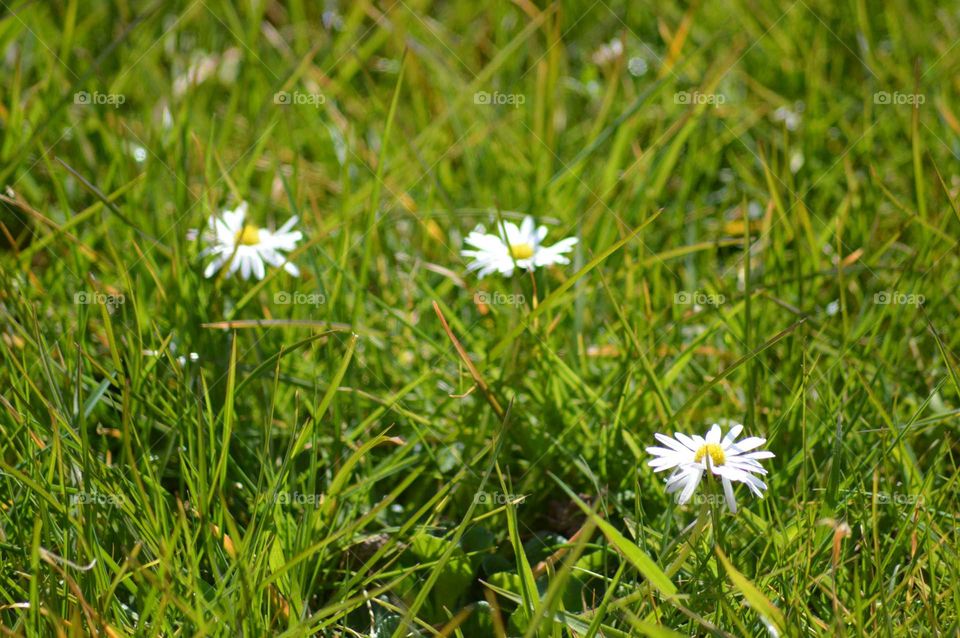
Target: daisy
<point>245,247</point>
<point>521,247</point>
<point>690,456</point>
<point>182,359</point>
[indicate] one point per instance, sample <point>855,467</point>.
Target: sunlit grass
<point>765,197</point>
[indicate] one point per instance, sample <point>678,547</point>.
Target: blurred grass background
<point>765,194</point>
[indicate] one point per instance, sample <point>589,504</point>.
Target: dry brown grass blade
<point>474,372</point>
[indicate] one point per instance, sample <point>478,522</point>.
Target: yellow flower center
<point>521,251</point>
<point>249,235</point>
<point>715,452</point>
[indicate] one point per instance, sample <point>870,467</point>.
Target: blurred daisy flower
<point>245,247</point>
<point>514,247</point>
<point>690,456</point>
<point>182,359</point>
<point>607,53</point>
<point>204,66</point>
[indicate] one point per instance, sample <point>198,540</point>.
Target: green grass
<point>392,457</point>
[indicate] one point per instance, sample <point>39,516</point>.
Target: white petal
<point>547,255</point>
<point>512,234</point>
<point>477,265</point>
<point>732,435</point>
<point>761,454</point>
<point>691,443</point>
<point>671,443</point>
<point>280,241</point>
<point>713,436</point>
<point>756,485</point>
<point>565,245</point>
<point>732,473</point>
<point>527,229</point>
<point>526,264</point>
<point>213,266</point>
<point>233,219</point>
<point>664,463</point>
<point>728,494</point>
<point>287,226</point>
<point>746,467</point>
<point>668,451</point>
<point>258,270</point>
<point>271,256</point>
<point>485,270</point>
<point>678,479</point>
<point>225,230</point>
<point>234,263</point>
<point>488,248</point>
<point>692,483</point>
<point>743,459</point>
<point>748,444</point>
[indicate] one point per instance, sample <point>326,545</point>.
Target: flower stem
<point>715,499</point>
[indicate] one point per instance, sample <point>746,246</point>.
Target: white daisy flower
<point>182,359</point>
<point>690,456</point>
<point>521,247</point>
<point>245,247</point>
